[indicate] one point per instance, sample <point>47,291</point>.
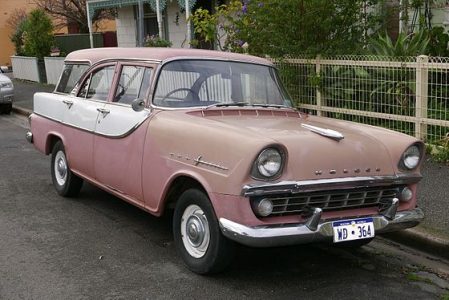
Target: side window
<point>69,77</point>
<point>134,83</point>
<point>98,84</point>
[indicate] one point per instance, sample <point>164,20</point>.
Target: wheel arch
<point>178,185</point>
<point>52,139</point>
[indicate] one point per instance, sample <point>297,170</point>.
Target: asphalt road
<point>99,247</point>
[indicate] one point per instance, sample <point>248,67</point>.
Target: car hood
<point>4,78</point>
<point>363,151</point>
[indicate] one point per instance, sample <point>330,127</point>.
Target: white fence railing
<point>26,68</point>
<point>409,94</point>
<point>53,68</point>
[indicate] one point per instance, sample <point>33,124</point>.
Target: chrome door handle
<point>103,111</point>
<point>69,103</point>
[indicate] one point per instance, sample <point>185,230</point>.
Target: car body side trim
<point>137,125</point>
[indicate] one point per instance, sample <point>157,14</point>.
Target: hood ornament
<point>335,135</point>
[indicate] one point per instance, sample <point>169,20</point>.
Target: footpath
<point>431,236</point>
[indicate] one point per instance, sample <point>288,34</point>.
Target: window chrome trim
<point>295,187</point>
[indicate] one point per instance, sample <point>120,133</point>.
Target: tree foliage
<point>38,34</point>
<point>17,22</point>
<point>67,12</point>
<point>405,45</point>
<point>289,27</point>
<point>219,27</point>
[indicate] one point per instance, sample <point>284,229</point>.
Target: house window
<point>150,21</point>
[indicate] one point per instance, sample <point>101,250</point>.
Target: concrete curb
<point>21,111</point>
<point>421,240</point>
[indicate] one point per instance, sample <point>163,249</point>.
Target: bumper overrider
<point>315,229</point>
<point>29,137</point>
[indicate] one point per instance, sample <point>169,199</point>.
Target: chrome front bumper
<point>292,234</point>
<point>6,98</point>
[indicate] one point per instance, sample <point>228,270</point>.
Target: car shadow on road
<point>275,272</point>
<point>303,260</point>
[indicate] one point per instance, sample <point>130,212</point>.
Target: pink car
<point>214,136</point>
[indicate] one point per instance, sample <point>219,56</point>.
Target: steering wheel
<point>195,95</point>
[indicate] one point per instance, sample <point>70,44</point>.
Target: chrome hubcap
<point>195,231</point>
<point>61,168</point>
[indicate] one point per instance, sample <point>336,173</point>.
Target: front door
<point>120,133</point>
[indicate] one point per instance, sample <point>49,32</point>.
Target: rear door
<point>55,105</point>
<point>81,116</point>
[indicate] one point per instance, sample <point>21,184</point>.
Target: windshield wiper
<point>240,104</point>
<point>271,105</point>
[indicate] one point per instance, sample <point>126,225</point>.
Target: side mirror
<point>138,104</point>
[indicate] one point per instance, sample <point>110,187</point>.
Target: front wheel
<point>66,183</point>
<point>197,235</point>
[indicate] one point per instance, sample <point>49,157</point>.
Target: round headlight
<point>269,162</point>
<point>411,157</point>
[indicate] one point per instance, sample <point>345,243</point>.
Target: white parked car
<point>6,94</point>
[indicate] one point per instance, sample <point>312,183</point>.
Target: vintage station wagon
<point>214,136</point>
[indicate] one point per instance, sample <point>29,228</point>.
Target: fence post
<point>422,79</point>
<point>318,93</point>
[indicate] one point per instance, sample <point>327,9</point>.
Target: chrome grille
<point>331,200</point>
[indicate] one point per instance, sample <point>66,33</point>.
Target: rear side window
<point>70,76</point>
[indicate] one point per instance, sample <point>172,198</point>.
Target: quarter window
<point>69,77</point>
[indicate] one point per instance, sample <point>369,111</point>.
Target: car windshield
<point>189,83</point>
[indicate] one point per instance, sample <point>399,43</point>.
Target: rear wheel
<point>66,183</point>
<point>7,108</point>
<point>197,235</point>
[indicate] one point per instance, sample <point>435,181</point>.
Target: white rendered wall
<point>126,27</point>
<point>176,30</point>
<point>53,68</point>
<point>24,67</point>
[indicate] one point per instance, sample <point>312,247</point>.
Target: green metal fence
<point>71,42</point>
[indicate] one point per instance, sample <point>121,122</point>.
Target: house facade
<point>139,19</point>
<point>9,8</point>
